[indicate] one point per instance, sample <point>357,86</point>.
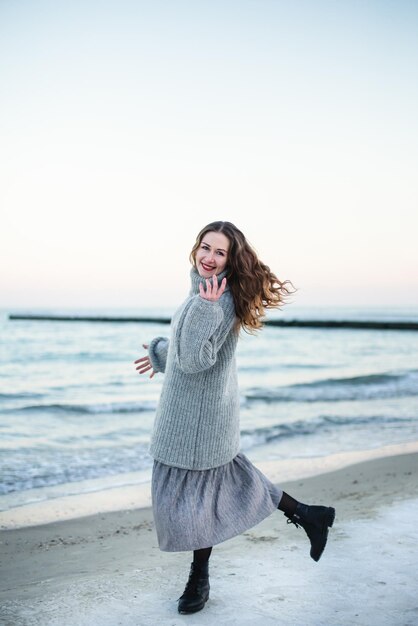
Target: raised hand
<point>213,292</point>
<point>144,363</point>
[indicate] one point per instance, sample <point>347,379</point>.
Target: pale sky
<point>127,126</point>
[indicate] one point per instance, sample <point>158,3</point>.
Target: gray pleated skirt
<point>196,509</point>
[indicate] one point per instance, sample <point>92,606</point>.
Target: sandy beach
<point>107,568</point>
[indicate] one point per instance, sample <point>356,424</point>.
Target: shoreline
<point>136,495</point>
<point>107,568</point>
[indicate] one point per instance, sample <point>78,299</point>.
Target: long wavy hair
<point>253,285</point>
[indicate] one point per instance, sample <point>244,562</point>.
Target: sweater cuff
<point>157,352</point>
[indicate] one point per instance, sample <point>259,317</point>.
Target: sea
<point>75,415</point>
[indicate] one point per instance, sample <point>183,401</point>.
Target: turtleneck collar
<point>196,279</point>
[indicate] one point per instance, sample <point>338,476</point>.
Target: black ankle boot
<point>315,520</point>
<point>197,588</point>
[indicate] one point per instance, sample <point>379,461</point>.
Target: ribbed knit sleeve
<point>201,330</point>
<point>157,352</point>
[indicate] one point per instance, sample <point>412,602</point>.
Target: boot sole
<point>331,516</point>
<point>328,522</point>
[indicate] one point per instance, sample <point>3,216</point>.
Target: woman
<point>204,490</point>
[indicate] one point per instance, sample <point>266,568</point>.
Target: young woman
<point>204,490</point>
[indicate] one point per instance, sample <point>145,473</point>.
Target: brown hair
<point>253,285</point>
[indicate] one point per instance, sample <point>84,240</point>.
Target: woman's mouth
<point>207,268</point>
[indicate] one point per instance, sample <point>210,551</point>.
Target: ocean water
<point>73,408</point>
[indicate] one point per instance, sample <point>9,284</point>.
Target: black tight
<point>201,556</point>
<point>287,504</point>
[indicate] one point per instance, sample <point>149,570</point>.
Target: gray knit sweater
<point>197,420</point>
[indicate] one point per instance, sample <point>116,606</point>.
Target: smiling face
<point>212,254</point>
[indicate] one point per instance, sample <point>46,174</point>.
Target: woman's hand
<point>144,363</point>
<point>213,292</point>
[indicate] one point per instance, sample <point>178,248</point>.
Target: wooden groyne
<point>346,324</point>
<point>371,324</point>
<point>88,318</point>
